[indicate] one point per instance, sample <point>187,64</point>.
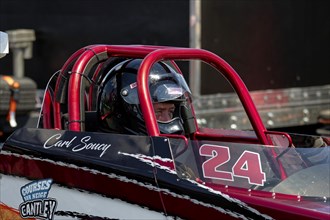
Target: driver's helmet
<point>119,107</point>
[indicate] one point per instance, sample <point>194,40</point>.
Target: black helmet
<point>119,108</point>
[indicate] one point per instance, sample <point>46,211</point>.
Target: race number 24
<point>248,165</point>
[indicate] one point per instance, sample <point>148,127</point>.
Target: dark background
<point>64,26</point>
<point>270,43</point>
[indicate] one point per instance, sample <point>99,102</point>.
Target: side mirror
<point>4,44</point>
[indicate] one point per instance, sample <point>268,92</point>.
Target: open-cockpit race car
<point>100,151</point>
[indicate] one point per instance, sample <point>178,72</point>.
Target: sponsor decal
<point>36,202</point>
<point>76,144</point>
<point>133,85</point>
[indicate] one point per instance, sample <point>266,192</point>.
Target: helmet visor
<point>163,88</point>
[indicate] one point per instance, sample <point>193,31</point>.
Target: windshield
<point>289,170</point>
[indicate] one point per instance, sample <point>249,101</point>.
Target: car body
<point>72,170</point>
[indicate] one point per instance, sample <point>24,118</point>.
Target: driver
<point>164,111</point>
<point>119,108</point>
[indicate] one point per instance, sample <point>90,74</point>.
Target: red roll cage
<point>77,68</point>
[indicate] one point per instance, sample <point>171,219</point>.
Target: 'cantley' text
<point>75,145</point>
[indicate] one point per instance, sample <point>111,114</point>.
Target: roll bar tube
<point>76,84</point>
<point>76,105</point>
<point>211,59</point>
<point>151,55</point>
<point>59,86</point>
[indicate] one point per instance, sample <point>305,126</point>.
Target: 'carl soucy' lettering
<point>85,143</point>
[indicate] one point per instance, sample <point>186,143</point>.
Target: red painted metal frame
<point>151,55</point>
<point>210,58</point>
<point>78,69</point>
<point>75,91</point>
<point>64,70</point>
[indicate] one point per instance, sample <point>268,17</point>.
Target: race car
<point>100,151</point>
